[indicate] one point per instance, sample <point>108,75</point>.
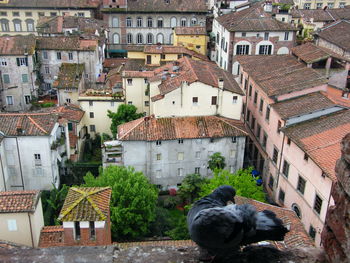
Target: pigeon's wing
<point>217,228</point>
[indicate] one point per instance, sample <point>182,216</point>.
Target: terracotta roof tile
<point>280,74</point>
<point>320,139</point>
<point>193,30</point>
<point>17,45</point>
<point>152,129</point>
<point>18,201</point>
<point>31,124</point>
<point>296,237</point>
<point>66,43</point>
<point>58,4</point>
<point>86,204</point>
<point>321,15</point>
<point>69,75</point>
<point>337,99</point>
<point>49,229</point>
<point>337,33</point>
<point>302,105</point>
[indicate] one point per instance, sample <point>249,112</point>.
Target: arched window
<point>149,22</point>
<point>139,38</point>
<point>183,21</point>
<point>30,25</point>
<point>173,22</point>
<point>4,25</point>
<point>297,210</point>
<point>128,22</point>
<point>116,39</point>
<point>115,22</point>
<point>160,38</point>
<point>17,24</point>
<point>171,39</point>
<point>160,22</point>
<point>139,22</point>
<point>193,21</point>
<point>129,38</point>
<point>264,48</point>
<point>149,38</point>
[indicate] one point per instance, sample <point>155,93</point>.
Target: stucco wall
<point>22,234</point>
<point>135,94</point>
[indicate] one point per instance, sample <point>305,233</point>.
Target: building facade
<point>313,4</point>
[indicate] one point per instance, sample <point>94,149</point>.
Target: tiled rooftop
<point>66,43</point>
<point>302,105</point>
<point>253,18</point>
<point>321,15</point>
<point>320,139</point>
<point>86,204</point>
<point>280,74</point>
<point>69,76</point>
<point>337,33</point>
<point>27,124</point>
<point>152,129</point>
<point>17,45</point>
<point>164,49</point>
<point>193,30</point>
<point>51,4</point>
<point>18,201</point>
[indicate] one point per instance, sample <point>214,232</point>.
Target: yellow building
<point>156,55</point>
<point>18,17</point>
<point>193,38</point>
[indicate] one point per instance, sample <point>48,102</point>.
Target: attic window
<point>306,157</point>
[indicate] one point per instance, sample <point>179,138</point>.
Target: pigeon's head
<point>225,193</point>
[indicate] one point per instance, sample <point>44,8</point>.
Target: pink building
<point>283,103</point>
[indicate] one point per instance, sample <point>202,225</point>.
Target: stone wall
<point>336,234</point>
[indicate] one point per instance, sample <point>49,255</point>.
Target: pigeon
<point>220,228</point>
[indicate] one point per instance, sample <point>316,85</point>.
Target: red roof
<point>18,201</point>
<point>17,45</point>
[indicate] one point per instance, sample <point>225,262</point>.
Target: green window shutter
<point>25,78</point>
<point>6,78</point>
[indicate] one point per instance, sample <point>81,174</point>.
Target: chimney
<point>268,7</point>
<point>221,83</point>
<point>19,126</point>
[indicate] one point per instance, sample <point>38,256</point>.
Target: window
<point>197,170</point>
<point>234,99</point>
<point>258,131</point>
<point>318,5</point>
<point>70,55</point>
<point>91,103</point>
<point>4,25</point>
<point>275,155</point>
<point>15,13</point>
<point>139,38</point>
<point>301,185</point>
<point>9,100</point>
<point>158,156</point>
<point>264,140</point>
<point>30,25</point>
<point>129,102</point>
<point>318,204</point>
<point>250,90</point>
<point>245,84</point>
<point>330,5</point>
<point>234,139</point>
<point>253,123</point>
<point>160,38</point>
<point>112,103</point>
<point>248,116</point>
<point>265,49</point>
<point>45,55</point>
<point>77,230</point>
<point>24,78</point>
<point>271,181</point>
<point>286,35</point>
<point>285,169</point>
<point>180,171</point>
<point>158,143</point>
<point>193,21</point>
<point>267,116</point>
<point>22,61</point>
<point>288,141</point>
<point>3,13</point>
<point>232,153</point>
<point>27,99</point>
<point>41,13</point>
<point>47,70</point>
<point>195,101</point>
<point>261,105</point>
<point>92,128</point>
<point>342,4</point>
<point>58,55</point>
<point>198,155</point>
<point>92,230</point>
<point>129,38</point>
<point>116,38</point>
<point>279,125</point>
<point>115,22</point>
<point>37,159</point>
<point>214,100</point>
<point>17,24</point>
<point>173,22</point>
<point>255,97</point>
<point>53,14</point>
<point>11,224</point>
<point>128,22</point>
<point>180,141</point>
<point>149,38</point>
<point>6,78</point>
<point>312,232</point>
<point>150,22</point>
<point>91,115</point>
<point>180,156</point>
<point>160,22</point>
<point>307,6</point>
<point>266,36</point>
<point>162,56</point>
<point>281,196</point>
<point>129,81</point>
<point>306,157</point>
<point>297,210</point>
<point>139,22</point>
<point>183,22</point>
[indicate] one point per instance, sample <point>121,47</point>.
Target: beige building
<point>21,217</point>
<point>318,4</point>
<point>194,38</point>
<point>18,17</point>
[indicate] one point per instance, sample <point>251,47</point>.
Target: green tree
<point>190,187</point>
<point>216,161</point>
<point>133,200</point>
<point>125,113</point>
<point>242,181</point>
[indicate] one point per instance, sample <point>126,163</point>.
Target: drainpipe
<point>3,174</point>
<point>20,163</point>
<point>31,230</point>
